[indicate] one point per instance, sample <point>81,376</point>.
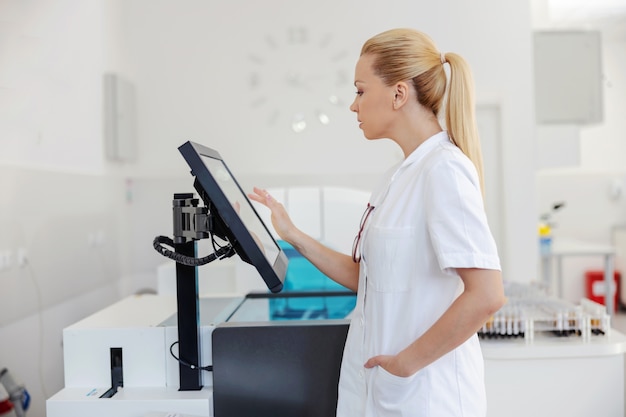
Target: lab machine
<point>266,354</point>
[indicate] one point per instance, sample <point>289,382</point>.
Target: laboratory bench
<point>555,376</point>
<point>543,375</point>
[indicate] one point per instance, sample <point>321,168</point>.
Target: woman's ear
<point>401,94</point>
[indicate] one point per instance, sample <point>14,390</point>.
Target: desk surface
<point>150,310</point>
<point>549,347</point>
<point>566,246</point>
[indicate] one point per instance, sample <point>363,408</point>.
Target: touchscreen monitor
<point>234,214</point>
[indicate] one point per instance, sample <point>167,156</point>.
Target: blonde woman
<point>424,265</point>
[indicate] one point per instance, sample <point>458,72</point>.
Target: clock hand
<point>296,79</point>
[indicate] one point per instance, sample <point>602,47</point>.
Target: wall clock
<point>298,78</point>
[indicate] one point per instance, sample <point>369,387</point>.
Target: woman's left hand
<point>389,363</point>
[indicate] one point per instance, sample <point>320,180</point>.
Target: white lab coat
<point>428,220</point>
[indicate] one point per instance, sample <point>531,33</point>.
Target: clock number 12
<point>297,35</point>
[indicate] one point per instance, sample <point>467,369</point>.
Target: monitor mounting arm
<point>191,223</point>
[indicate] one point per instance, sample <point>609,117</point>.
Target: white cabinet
<point>568,77</point>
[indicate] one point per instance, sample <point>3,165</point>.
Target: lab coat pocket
<point>395,396</point>
<point>392,255</point>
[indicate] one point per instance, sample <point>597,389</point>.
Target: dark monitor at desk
<point>277,369</point>
<point>234,217</point>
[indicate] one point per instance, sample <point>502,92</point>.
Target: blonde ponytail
<point>461,113</point>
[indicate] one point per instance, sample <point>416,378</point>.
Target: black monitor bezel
<point>254,375</point>
<point>230,224</point>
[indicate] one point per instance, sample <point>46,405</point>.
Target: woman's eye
<point>358,93</point>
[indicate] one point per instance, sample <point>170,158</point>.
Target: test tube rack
<point>529,312</point>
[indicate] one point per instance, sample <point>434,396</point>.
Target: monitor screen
<point>235,218</point>
<point>277,369</point>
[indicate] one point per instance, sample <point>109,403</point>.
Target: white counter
<point>551,376</point>
<point>555,376</point>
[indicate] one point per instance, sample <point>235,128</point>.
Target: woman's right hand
<point>338,266</point>
<point>280,219</point>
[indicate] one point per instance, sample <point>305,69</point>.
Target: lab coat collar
<point>423,149</point>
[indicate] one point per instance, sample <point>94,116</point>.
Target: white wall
<point>60,242</point>
<point>59,215</point>
<point>52,61</point>
<point>603,146</point>
<point>586,167</point>
<point>191,64</point>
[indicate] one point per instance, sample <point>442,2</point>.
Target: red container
<point>596,290</point>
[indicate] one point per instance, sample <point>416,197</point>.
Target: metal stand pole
<point>188,319</point>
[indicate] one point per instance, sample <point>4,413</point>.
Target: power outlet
<point>6,260</point>
<point>616,189</point>
<point>21,257</point>
<point>99,238</point>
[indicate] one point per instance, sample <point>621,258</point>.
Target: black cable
<point>216,246</point>
<point>159,241</point>
<point>208,368</point>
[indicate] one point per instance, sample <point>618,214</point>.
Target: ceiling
<point>607,16</point>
